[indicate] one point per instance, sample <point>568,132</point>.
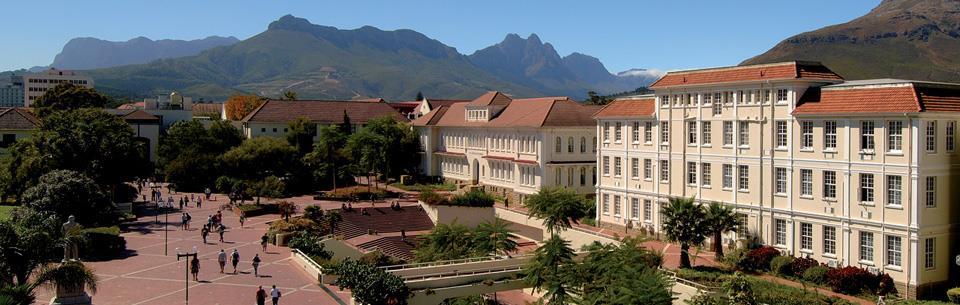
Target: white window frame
<point>781,138</point>
<point>692,173</point>
<point>806,135</point>
<point>605,207</point>
<point>806,237</point>
<point>664,171</point>
<point>895,136</point>
<point>783,95</point>
<point>692,133</point>
<point>635,168</point>
<point>647,169</point>
<point>635,132</point>
<point>867,133</point>
<point>894,191</point>
<point>931,137</point>
<point>616,206</point>
<point>829,240</point>
<point>780,180</point>
<point>618,132</point>
<point>647,210</point>
<point>780,232</point>
<point>866,247</point>
<point>617,166</point>
<point>867,185</point>
<point>830,135</point>
<point>664,132</point>
<point>894,248</point>
<point>743,178</point>
<point>705,138</point>
<point>727,171</point>
<point>829,185</point>
<point>930,253</point>
<point>705,174</point>
<point>950,139</point>
<point>606,165</point>
<point>743,138</point>
<point>635,208</point>
<point>930,192</point>
<point>647,132</point>
<point>728,133</point>
<point>806,183</point>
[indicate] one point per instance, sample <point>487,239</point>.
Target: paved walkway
<point>147,276</point>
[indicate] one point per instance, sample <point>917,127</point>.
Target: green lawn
<point>5,211</point>
<point>422,187</point>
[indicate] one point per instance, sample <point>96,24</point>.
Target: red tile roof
<point>18,119</point>
<point>207,108</point>
<point>882,97</point>
<point>939,99</point>
<point>777,71</point>
<point>632,107</point>
<point>134,115</point>
<point>530,112</point>
<point>491,98</point>
<point>317,111</point>
<point>434,104</point>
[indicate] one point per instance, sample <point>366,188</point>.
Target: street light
<point>186,271</point>
<point>166,229</point>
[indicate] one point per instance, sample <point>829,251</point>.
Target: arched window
<point>570,176</point>
<point>559,176</point>
<point>583,145</point>
<point>583,176</point>
<point>559,144</point>
<point>570,145</point>
<point>594,144</point>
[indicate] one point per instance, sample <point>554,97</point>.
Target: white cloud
<point>652,73</point>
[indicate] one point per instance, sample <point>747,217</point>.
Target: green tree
<point>369,284</point>
<point>445,242</point>
<point>289,96</point>
<point>65,193</point>
<point>300,133</point>
<point>270,187</point>
<point>551,270</point>
<point>26,243</point>
<point>71,274</point>
<point>328,156</point>
<point>332,220</point>
<point>558,207</point>
<point>346,127</point>
<point>683,223</point>
<point>224,135</point>
<point>419,96</point>
<point>720,219</point>
<point>366,150</point>
<point>17,295</point>
<point>385,146</point>
<point>494,237</point>
<point>622,274</point>
<point>189,154</point>
<point>739,290</point>
<point>260,157</point>
<point>67,96</point>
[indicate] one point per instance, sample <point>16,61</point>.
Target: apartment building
<point>854,173</point>
<point>11,91</point>
<point>35,84</point>
<point>511,147</point>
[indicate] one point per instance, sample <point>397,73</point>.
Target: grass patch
<point>5,211</point>
<point>419,187</point>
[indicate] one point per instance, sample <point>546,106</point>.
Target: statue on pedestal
<point>71,230</point>
<point>71,293</point>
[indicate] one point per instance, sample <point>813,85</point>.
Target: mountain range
<point>323,62</point>
<point>908,39</point>
<point>91,53</point>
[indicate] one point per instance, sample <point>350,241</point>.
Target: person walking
<point>222,259</point>
<point>243,218</point>
<point>220,230</point>
<point>261,296</point>
<point>235,259</point>
<point>275,295</point>
<point>203,233</point>
<point>183,221</point>
<point>263,241</point>
<point>199,201</point>
<point>256,265</point>
<point>195,268</point>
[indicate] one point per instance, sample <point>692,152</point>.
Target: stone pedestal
<point>71,296</point>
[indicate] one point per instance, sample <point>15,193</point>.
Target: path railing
<point>449,262</point>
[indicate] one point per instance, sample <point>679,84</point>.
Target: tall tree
<point>419,96</point>
<point>238,106</point>
<point>445,242</point>
<point>369,284</point>
<point>683,223</point>
<point>551,270</point>
<point>558,207</point>
<point>720,219</point>
<point>495,237</point>
<point>67,96</point>
<point>260,157</point>
<point>65,193</point>
<point>300,134</point>
<point>346,127</point>
<point>328,156</point>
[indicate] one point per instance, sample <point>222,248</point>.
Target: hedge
<point>102,243</point>
<point>954,295</point>
<point>251,210</point>
<point>475,198</point>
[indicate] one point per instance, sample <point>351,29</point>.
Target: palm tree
<point>332,219</point>
<point>683,223</point>
<point>495,236</point>
<point>17,295</point>
<point>720,219</point>
<point>558,207</point>
<point>286,209</point>
<point>68,275</point>
<point>550,271</point>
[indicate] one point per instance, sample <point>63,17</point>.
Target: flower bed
<point>355,192</point>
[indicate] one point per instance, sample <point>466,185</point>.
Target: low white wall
<point>340,249</point>
<point>467,216</point>
<point>576,237</point>
<point>307,265</point>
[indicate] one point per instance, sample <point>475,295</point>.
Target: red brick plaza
<point>147,276</point>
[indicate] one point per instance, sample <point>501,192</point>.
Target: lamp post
<point>166,229</point>
<point>186,272</point>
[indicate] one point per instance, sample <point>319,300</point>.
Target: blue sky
<point>663,35</point>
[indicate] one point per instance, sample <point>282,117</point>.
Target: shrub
<point>734,259</point>
<point>294,225</point>
<point>782,265</point>
<point>816,274</point>
<point>849,280</point>
<point>773,293</point>
<point>800,265</point>
<point>704,275</point>
<point>759,259</point>
<point>954,295</point>
<point>102,243</point>
<point>475,198</point>
<point>251,210</point>
<point>377,258</point>
<point>310,245</point>
<point>917,302</point>
<point>432,198</point>
<point>314,213</point>
<point>889,287</point>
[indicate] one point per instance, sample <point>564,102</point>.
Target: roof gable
<point>18,119</point>
<point>777,71</point>
<point>319,111</point>
<point>634,107</point>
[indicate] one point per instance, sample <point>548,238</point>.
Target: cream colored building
<point>511,147</point>
<point>35,84</point>
<point>853,173</point>
<point>271,119</point>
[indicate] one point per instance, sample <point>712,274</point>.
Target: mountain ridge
<point>84,53</point>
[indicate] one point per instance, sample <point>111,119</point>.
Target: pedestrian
<point>275,295</point>
<point>199,201</point>
<point>195,268</point>
<point>263,241</point>
<point>235,259</point>
<point>243,218</point>
<point>183,221</point>
<point>207,192</point>
<point>261,296</point>
<point>220,230</point>
<point>222,259</point>
<point>189,218</point>
<point>203,233</point>
<point>181,203</point>
<point>256,265</point>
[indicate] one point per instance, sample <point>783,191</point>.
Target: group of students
<point>262,295</point>
<point>222,260</point>
<point>214,222</point>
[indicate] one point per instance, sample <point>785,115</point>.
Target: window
<point>618,133</point>
<point>781,134</point>
<point>705,174</point>
<point>647,210</point>
<point>583,145</point>
<point>894,244</point>
<point>570,145</point>
<point>744,137</point>
<point>866,246</point>
<point>691,132</point>
<point>664,170</point>
<point>931,192</point>
<point>647,132</point>
<point>829,240</point>
<point>606,204</point>
<point>717,106</point>
<point>705,130</point>
<point>606,166</point>
<point>727,133</point>
<point>894,184</point>
<point>743,180</point>
<point>766,96</point>
<point>806,135</point>
<point>664,100</point>
<point>866,136</point>
<point>559,176</point>
<point>559,144</point>
<point>635,132</point>
<point>806,183</point>
<point>635,168</point>
<point>616,206</point>
<point>929,256</point>
<point>647,169</point>
<point>782,95</point>
<point>727,172</point>
<point>594,144</point>
<point>932,136</point>
<point>829,184</point>
<point>780,232</point>
<point>634,208</point>
<point>570,176</point>
<point>895,136</point>
<point>606,131</point>
<point>583,176</point>
<point>780,187</point>
<point>806,236</point>
<point>664,132</point>
<point>692,173</point>
<point>830,135</point>
<point>866,188</point>
<point>950,140</point>
<point>617,168</point>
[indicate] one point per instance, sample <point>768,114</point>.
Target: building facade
<point>273,116</point>
<point>849,173</point>
<point>511,147</point>
<point>11,91</point>
<point>35,84</point>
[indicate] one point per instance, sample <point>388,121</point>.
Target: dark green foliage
<point>300,133</point>
<point>309,244</point>
<point>445,242</point>
<point>102,243</point>
<point>67,96</point>
<point>683,223</point>
<point>314,213</point>
<point>558,207</point>
<point>475,198</point>
<point>369,284</point>
<point>782,265</point>
<point>622,274</point>
<point>17,295</point>
<point>917,302</point>
<point>954,295</point>
<point>432,198</point>
<point>189,154</point>
<point>65,193</point>
<point>27,241</point>
<point>377,258</point>
<point>739,290</point>
<point>494,238</point>
<point>328,158</point>
<point>720,219</point>
<point>816,274</point>
<point>552,271</point>
<point>385,146</point>
<point>260,157</point>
